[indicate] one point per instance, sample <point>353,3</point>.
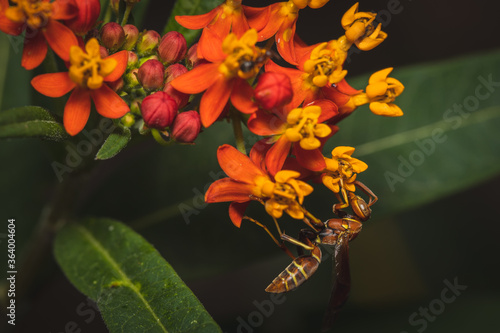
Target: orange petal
<point>237,211</point>
<point>237,165</point>
<point>64,10</point>
<point>76,111</point>
<point>285,40</point>
<point>194,22</point>
<point>108,104</point>
<point>309,159</point>
<point>121,60</point>
<point>53,84</point>
<point>276,156</point>
<point>6,25</point>
<point>60,38</point>
<point>257,18</point>
<point>34,51</point>
<point>265,123</point>
<point>214,100</point>
<point>258,153</point>
<point>210,46</point>
<point>196,80</point>
<point>328,109</point>
<point>225,189</point>
<point>272,24</point>
<point>241,97</point>
<point>240,24</point>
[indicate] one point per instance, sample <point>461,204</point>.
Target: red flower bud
<point>103,51</point>
<point>171,72</point>
<point>158,110</point>
<point>150,74</point>
<point>112,36</point>
<point>186,126</point>
<point>273,90</point>
<point>131,36</point>
<point>147,42</point>
<point>85,19</point>
<point>132,59</point>
<point>116,85</point>
<point>192,56</point>
<point>172,47</point>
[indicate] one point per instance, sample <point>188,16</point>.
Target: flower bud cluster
<point>153,62</point>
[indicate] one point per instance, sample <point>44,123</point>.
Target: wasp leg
<point>281,245</point>
<point>367,191</point>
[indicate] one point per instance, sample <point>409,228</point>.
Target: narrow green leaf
<point>189,7</point>
<point>30,121</point>
<point>447,139</point>
<point>116,141</point>
<point>135,289</point>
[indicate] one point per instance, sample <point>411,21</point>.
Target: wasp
<point>337,232</point>
<point>249,65</point>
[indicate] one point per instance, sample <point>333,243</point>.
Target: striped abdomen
<point>294,275</point>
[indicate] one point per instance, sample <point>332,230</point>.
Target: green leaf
<point>135,289</point>
<point>447,139</point>
<point>189,7</point>
<point>116,141</point>
<point>31,121</point>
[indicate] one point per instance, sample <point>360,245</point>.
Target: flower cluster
<point>249,66</point>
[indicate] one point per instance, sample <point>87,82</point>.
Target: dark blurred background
<point>401,264</point>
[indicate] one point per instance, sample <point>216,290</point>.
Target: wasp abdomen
<point>294,275</point>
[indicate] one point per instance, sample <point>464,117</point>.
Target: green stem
<point>128,9</point>
<point>238,131</point>
<point>107,14</point>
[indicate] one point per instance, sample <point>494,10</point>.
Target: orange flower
<point>300,129</point>
<point>86,77</point>
<point>280,20</point>
<point>248,181</point>
<point>225,77</point>
<point>39,19</point>
<point>320,74</point>
<point>223,19</point>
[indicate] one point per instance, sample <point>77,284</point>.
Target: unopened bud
<point>158,110</point>
<point>103,52</point>
<point>150,75</point>
<point>186,126</point>
<point>172,47</point>
<point>128,120</point>
<point>116,85</point>
<point>171,72</point>
<point>135,107</point>
<point>132,60</point>
<point>147,42</point>
<point>131,36</point>
<point>131,78</point>
<point>192,56</point>
<point>87,13</point>
<point>273,90</point>
<point>112,36</point>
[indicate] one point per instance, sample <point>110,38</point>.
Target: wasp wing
<point>342,284</point>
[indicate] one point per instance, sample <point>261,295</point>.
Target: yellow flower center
<point>325,63</point>
<point>229,8</point>
<point>35,13</point>
<point>243,59</point>
<point>303,126</point>
<point>87,69</point>
<point>287,193</point>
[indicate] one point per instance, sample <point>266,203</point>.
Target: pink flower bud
<point>116,85</point>
<point>147,42</point>
<point>131,36</point>
<point>192,56</point>
<point>150,75</point>
<point>171,72</point>
<point>158,110</point>
<point>273,90</point>
<point>132,59</point>
<point>186,126</point>
<point>103,51</point>
<point>85,19</point>
<point>172,47</point>
<point>112,36</point>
